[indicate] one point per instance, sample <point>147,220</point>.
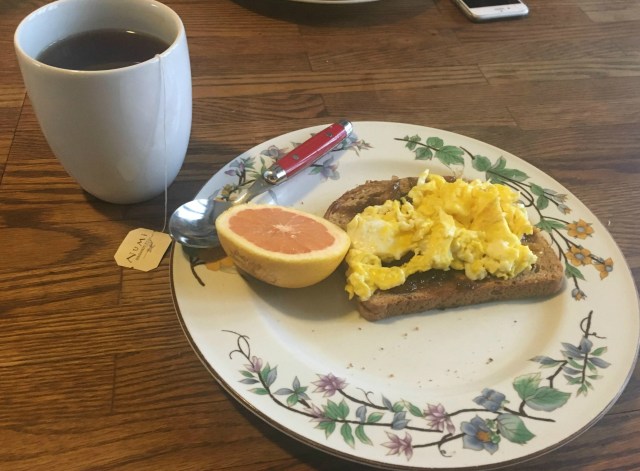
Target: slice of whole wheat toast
<point>440,289</point>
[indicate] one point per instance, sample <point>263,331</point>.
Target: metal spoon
<point>193,223</point>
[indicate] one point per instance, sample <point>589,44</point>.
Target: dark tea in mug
<point>102,50</point>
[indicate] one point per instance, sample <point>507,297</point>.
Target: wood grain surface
<point>95,371</point>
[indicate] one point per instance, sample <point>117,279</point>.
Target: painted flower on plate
<point>329,384</point>
<point>579,256</point>
<point>328,169</point>
<point>604,267</point>
<point>438,419</point>
<point>317,413</point>
<point>478,436</point>
<point>255,366</point>
<point>580,229</point>
<point>578,294</point>
<point>490,399</point>
<point>399,446</point>
<point>273,152</point>
<point>237,169</point>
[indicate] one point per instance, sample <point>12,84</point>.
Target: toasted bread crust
<point>438,289</point>
<point>371,193</point>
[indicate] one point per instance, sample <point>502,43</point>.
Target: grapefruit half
<point>281,246</point>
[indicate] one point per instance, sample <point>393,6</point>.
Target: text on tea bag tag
<point>142,249</point>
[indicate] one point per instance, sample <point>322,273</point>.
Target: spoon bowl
<point>193,223</point>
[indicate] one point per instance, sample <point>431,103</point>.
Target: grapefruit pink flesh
<point>281,231</point>
<point>282,246</point>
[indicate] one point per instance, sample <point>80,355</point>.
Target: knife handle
<point>308,152</point>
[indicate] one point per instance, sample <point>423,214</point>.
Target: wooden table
<point>95,371</point>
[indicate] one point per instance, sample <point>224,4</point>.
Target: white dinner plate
<point>476,387</point>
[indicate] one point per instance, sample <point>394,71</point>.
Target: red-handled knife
<point>308,152</point>
<point>298,159</point>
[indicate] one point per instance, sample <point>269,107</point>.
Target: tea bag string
<point>163,98</point>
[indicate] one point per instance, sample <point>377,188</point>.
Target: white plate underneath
<point>477,387</point>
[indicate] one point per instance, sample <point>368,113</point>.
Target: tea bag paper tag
<point>142,249</point>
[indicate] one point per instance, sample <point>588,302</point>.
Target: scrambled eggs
<point>472,226</point>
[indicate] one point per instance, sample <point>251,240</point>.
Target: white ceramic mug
<point>122,134</point>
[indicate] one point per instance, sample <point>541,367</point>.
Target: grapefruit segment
<point>282,246</point>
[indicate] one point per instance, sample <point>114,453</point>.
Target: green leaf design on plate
<point>571,271</point>
<point>375,417</point>
<point>599,351</point>
<point>549,225</point>
<point>527,385</point>
<point>450,155</point>
<point>412,142</point>
<point>347,435</point>
<point>499,172</point>
<point>424,153</point>
<point>547,399</point>
<point>435,142</point>
<point>328,426</point>
<point>413,409</point>
<point>362,435</point>
<point>513,428</point>
<point>336,411</point>
<point>481,163</point>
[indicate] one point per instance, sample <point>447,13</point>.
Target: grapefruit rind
<point>281,269</point>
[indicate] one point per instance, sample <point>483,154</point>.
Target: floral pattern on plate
<point>494,420</point>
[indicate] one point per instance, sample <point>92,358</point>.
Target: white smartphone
<point>486,10</point>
